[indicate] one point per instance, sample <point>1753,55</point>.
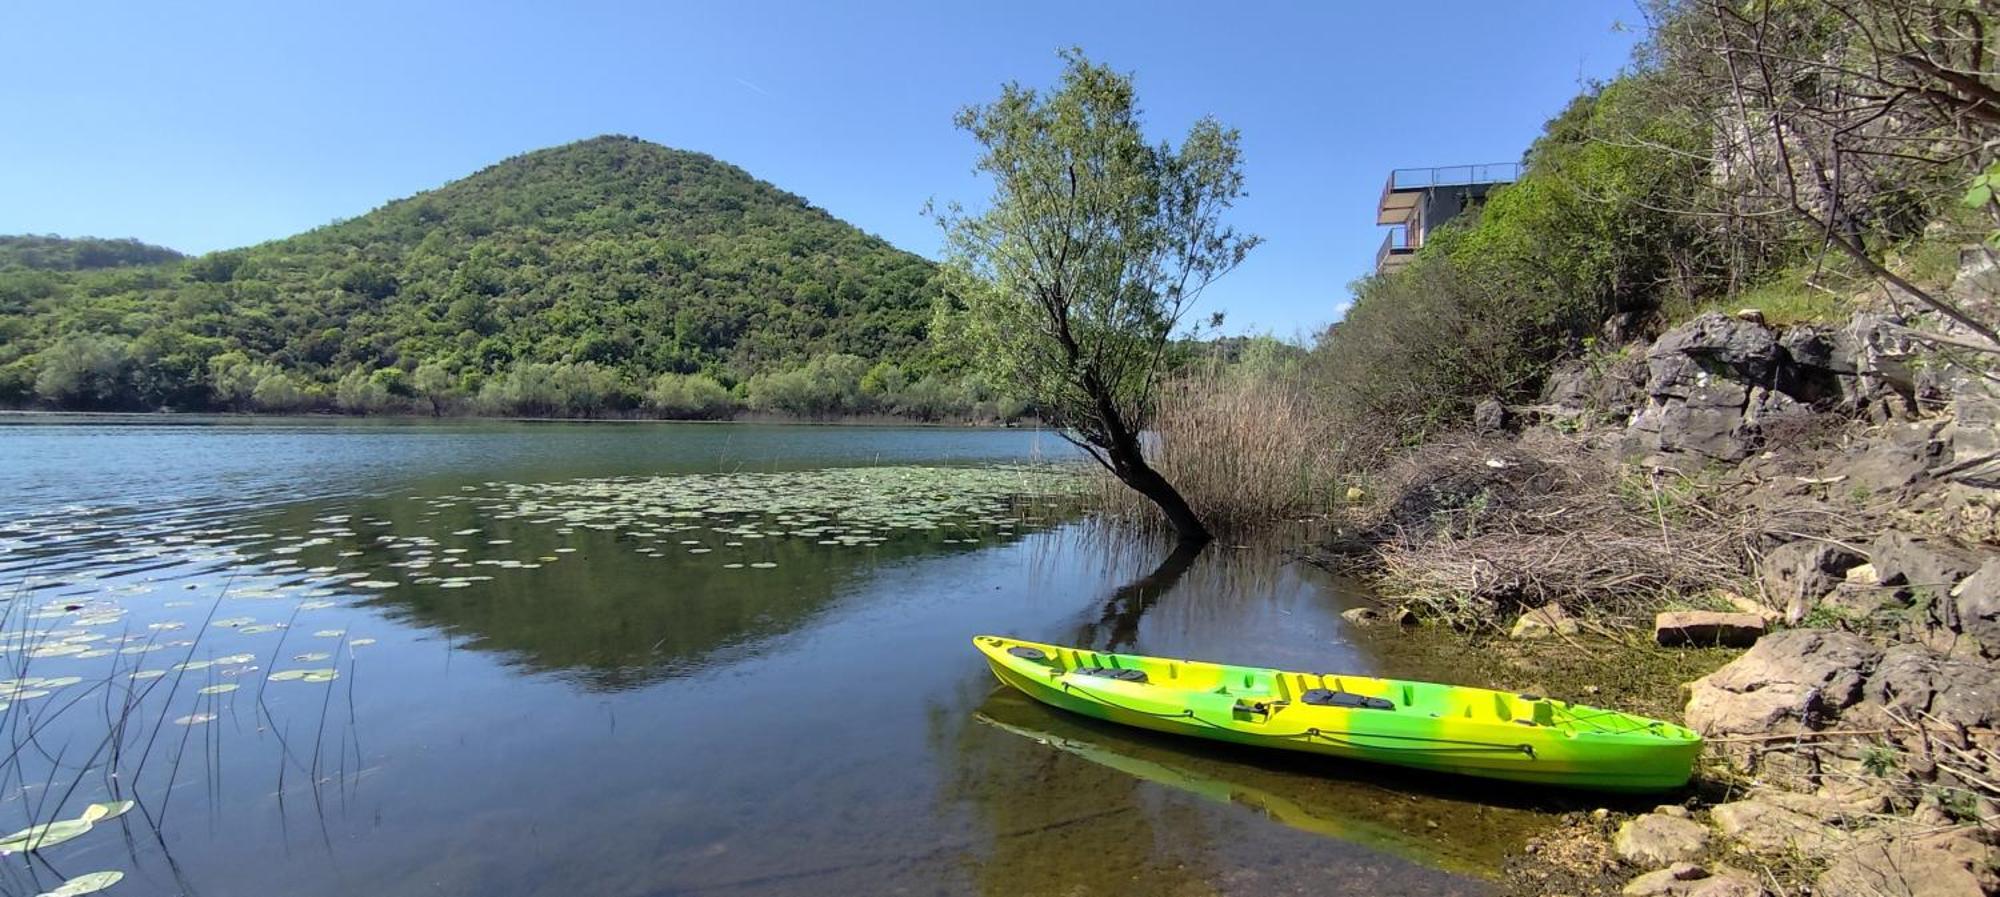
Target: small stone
<point>1702,627</point>
<point>1656,839</point>
<point>1862,575</point>
<point>1675,810</point>
<point>1361,616</point>
<point>1546,621</point>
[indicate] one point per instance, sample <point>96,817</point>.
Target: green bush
<point>689,397</point>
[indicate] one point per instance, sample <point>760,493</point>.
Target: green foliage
<point>611,261</point>
<point>1980,195</point>
<point>1094,245</point>
<point>1494,298</point>
<point>828,386</point>
<point>689,397</point>
<point>53,253</point>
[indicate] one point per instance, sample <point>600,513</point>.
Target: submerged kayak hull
<point>1444,728</point>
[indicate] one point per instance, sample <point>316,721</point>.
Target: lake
<point>401,657</point>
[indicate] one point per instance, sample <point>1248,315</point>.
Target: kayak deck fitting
<point>1424,725</point>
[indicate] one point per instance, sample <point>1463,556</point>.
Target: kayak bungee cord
<point>1344,739</point>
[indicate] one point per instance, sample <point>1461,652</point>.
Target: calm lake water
<point>410,657</point>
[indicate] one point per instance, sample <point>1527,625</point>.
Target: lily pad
<point>108,810</point>
<point>224,688</point>
<point>48,834</point>
<point>195,719</point>
<point>88,883</point>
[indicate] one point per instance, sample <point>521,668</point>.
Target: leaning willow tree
<point>1095,245</point>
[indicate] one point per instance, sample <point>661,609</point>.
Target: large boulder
<point>1699,382</point>
<point>1789,682</point>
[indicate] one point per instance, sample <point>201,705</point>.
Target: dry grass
<point>1469,529</point>
<point>1244,450</point>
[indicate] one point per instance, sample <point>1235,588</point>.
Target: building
<point>1416,201</point>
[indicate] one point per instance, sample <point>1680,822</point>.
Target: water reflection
<point>636,716</point>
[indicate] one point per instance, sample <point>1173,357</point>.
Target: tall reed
<point>1244,447</point>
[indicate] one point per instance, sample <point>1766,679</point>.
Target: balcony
<point>1396,250</point>
<point>1404,190</point>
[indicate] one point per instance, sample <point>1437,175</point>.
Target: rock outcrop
<point>1716,385</point>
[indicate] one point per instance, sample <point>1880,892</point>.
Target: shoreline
<point>863,421</point>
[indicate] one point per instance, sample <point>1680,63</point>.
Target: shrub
<point>690,397</point>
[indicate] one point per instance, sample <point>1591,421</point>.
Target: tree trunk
<point>1131,467</point>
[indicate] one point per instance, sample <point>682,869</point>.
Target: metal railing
<point>1453,176</point>
<point>1396,241</point>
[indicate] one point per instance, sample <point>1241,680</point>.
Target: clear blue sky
<point>220,123</point>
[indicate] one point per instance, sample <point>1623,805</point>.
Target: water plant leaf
<point>48,834</point>
<point>107,810</point>
<point>194,719</point>
<point>88,883</point>
<point>224,688</point>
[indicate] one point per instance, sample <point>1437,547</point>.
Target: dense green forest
<point>609,276</point>
<point>48,252</point>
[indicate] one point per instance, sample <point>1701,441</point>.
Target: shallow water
<point>634,659</point>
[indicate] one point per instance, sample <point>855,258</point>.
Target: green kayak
<point>1424,725</point>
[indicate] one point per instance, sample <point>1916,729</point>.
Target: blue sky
<point>208,125</point>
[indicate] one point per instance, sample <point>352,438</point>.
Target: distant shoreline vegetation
<point>98,375</point>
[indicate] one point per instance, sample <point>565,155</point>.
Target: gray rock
<point>1707,627</point>
<point>1765,827</point>
<point>1977,602</point>
<point>1492,416</point>
<point>1797,574</point>
<point>1361,616</point>
<point>1898,460</point>
<point>1789,681</point>
<point>1910,682</point>
<point>1690,880</point>
<point>1946,865</point>
<point>1718,342</point>
<point>1901,559</point>
<point>1860,602</point>
<point>1975,408</point>
<point>1546,621</point>
<point>1873,360</point>
<point>1657,839</point>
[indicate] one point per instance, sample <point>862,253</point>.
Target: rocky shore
<point>1822,496</point>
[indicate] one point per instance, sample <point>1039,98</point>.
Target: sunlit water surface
<point>411,657</point>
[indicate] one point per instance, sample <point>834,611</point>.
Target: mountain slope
<point>53,253</point>
<point>632,257</point>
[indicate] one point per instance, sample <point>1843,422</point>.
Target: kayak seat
<point>1326,697</point>
<point>1108,673</point>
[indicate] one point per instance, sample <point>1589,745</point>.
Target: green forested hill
<point>567,280</point>
<point>53,253</point>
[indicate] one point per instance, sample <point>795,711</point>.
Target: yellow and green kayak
<point>1424,725</point>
